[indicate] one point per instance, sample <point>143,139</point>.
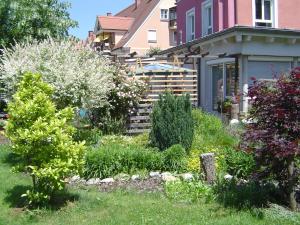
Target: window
<point>174,37</point>
<point>164,14</point>
<point>190,25</point>
<point>152,36</point>
<point>207,18</point>
<point>264,13</point>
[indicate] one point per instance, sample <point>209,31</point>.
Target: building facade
<point>231,41</point>
<point>198,18</point>
<point>141,26</point>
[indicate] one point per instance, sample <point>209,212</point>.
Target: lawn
<point>89,206</point>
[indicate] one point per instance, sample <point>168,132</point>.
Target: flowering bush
<point>274,134</point>
<point>42,136</point>
<point>79,75</point>
<point>81,78</point>
<point>123,97</point>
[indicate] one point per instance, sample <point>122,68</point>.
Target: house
<point>136,29</point>
<point>230,41</point>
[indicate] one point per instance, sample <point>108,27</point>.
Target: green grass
<point>120,207</point>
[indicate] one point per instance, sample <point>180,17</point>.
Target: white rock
<point>166,174</point>
<point>168,177</point>
<point>75,178</point>
<point>234,122</point>
<point>228,177</point>
<point>187,176</point>
<point>107,180</point>
<point>154,174</point>
<point>93,181</point>
<point>135,177</point>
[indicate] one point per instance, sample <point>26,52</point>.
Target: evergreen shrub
<point>172,122</point>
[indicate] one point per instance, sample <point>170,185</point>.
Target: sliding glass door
<point>224,83</point>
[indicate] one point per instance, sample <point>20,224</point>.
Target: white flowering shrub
<point>123,98</point>
<point>80,76</point>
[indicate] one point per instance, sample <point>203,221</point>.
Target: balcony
<point>173,24</point>
<point>172,18</point>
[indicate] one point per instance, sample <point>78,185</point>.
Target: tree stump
<point>235,109</point>
<point>207,162</point>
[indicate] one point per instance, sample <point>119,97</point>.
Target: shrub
<point>245,195</point>
<point>210,135</point>
<point>172,122</point>
<point>175,158</point>
<point>274,134</point>
<point>112,159</point>
<point>238,163</point>
<point>189,191</point>
<point>41,135</point>
<point>88,135</point>
<point>80,76</point>
<point>123,97</point>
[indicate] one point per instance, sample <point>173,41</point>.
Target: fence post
<point>207,164</point>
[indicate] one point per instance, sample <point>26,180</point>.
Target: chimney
<point>91,33</point>
<point>109,14</point>
<point>137,3</point>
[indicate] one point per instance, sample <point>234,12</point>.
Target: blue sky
<point>85,11</point>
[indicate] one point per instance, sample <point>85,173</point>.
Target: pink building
<point>198,18</point>
<point>230,41</point>
<point>136,29</point>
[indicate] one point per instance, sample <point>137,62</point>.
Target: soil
<point>154,184</point>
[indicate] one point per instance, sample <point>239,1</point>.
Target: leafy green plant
<point>175,158</point>
<point>189,191</point>
<point>247,195</point>
<point>238,163</point>
<point>90,136</point>
<point>42,136</point>
<point>112,159</point>
<point>210,135</point>
<point>119,156</point>
<point>172,122</point>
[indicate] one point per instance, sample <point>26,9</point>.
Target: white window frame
<point>205,27</point>
<point>150,40</point>
<point>192,34</point>
<point>164,14</point>
<point>274,13</point>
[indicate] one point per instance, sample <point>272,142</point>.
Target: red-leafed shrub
<point>275,132</point>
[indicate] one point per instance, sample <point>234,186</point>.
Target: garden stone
<point>93,181</point>
<point>75,179</point>
<point>228,177</point>
<point>208,167</point>
<point>234,122</point>
<point>154,174</point>
<point>122,177</point>
<point>169,178</point>
<point>166,174</point>
<point>107,180</point>
<point>135,177</point>
<point>187,176</point>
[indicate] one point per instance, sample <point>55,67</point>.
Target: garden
<point>68,160</point>
<point>65,157</point>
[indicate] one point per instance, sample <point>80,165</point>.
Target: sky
<point>85,12</point>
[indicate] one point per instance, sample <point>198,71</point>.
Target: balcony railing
<point>173,24</point>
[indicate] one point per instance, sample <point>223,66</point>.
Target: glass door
<point>224,84</point>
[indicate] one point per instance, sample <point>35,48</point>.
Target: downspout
<point>199,82</point>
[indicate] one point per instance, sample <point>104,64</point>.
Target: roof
<point>139,14</point>
<point>161,68</point>
<point>239,29</point>
<point>115,22</point>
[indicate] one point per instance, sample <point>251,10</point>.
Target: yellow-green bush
<point>210,135</point>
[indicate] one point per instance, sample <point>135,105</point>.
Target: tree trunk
<point>291,185</point>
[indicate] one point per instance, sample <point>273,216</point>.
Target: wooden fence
<point>177,80</point>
